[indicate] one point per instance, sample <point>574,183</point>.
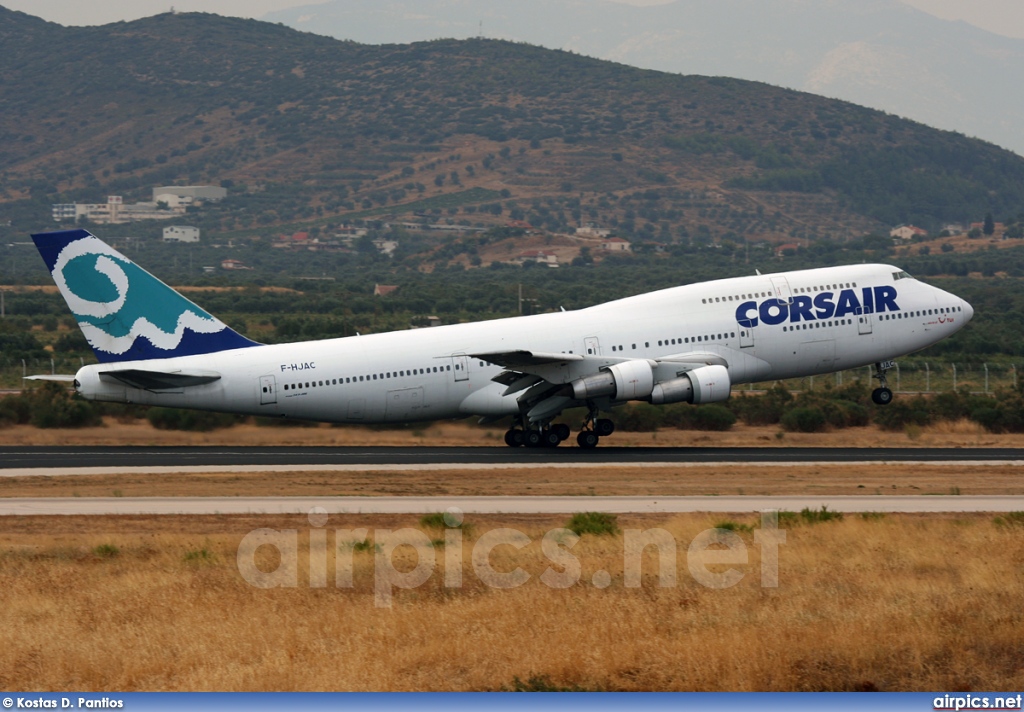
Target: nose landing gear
<point>882,395</point>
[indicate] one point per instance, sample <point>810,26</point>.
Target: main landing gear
<point>553,435</point>
<point>594,429</point>
<point>882,395</point>
<point>545,436</point>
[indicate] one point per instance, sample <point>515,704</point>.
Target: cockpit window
<point>900,275</point>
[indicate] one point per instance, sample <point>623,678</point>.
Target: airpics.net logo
<point>712,556</point>
<point>977,702</point>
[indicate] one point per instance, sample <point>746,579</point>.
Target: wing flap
<point>520,359</point>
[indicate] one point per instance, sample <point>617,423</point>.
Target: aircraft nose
<point>968,310</point>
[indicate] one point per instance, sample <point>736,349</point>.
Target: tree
<point>990,224</point>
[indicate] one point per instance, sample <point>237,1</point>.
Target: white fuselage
<point>426,374</point>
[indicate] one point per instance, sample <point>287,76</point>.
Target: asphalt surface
<point>489,505</point>
<point>14,457</point>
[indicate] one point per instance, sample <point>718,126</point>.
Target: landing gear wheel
<point>532,438</point>
<point>562,430</point>
<point>549,438</point>
<point>587,439</point>
<point>514,437</point>
<point>604,427</point>
<point>881,396</point>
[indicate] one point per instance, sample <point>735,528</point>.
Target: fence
<point>915,377</point>
<point>13,370</point>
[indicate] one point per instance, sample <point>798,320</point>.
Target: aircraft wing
<point>541,379</point>
<point>161,380</point>
<point>693,359</point>
<point>523,359</point>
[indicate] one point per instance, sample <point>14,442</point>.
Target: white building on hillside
<point>195,192</point>
<point>181,233</point>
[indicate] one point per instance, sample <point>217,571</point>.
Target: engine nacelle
<point>707,384</point>
<point>629,380</point>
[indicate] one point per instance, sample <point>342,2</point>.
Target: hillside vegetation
<point>306,128</point>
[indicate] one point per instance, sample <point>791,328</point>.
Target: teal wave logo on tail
<point>126,313</point>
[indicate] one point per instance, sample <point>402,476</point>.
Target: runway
<point>23,459</point>
<point>498,505</point>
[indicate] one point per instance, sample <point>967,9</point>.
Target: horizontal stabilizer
<point>161,380</point>
<point>58,377</point>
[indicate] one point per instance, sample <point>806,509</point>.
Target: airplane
<point>686,344</point>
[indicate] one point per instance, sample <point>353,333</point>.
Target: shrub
<point>639,418</point>
<point>106,551</point>
<point>540,683</point>
<point>732,526</point>
<point>814,516</point>
<point>593,523</point>
<point>903,412</point>
<point>804,420</point>
<point>268,422</point>
<point>199,556</point>
<point>435,520</point>
<point>857,416</point>
<point>766,409</point>
<point>14,410</point>
<point>999,416</point>
<point>191,420</point>
<point>713,417</point>
<point>54,406</point>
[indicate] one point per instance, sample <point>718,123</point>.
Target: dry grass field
<point>899,602</point>
<point>896,602</point>
<point>810,480</point>
<point>463,433</point>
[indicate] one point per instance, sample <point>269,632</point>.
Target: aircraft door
<point>268,390</point>
<point>864,325</point>
<point>460,367</point>
<point>746,337</point>
<point>592,345</point>
<point>356,406</point>
<point>404,404</point>
<point>782,290</point>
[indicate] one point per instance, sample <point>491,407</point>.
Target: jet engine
<point>629,380</point>
<point>707,384</point>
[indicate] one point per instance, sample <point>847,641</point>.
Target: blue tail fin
<point>126,313</point>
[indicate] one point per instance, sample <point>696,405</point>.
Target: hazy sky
<point>1004,17</point>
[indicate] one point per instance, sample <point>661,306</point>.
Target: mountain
<point>306,129</point>
<point>878,53</point>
